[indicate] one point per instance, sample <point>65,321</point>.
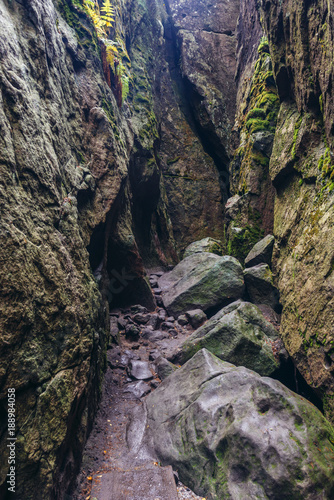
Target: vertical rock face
<point>88,188</point>
<point>90,191</point>
<point>301,168</point>
<point>295,157</point>
<point>249,214</point>
<point>198,107</point>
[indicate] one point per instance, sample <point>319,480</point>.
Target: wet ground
<point>109,469</point>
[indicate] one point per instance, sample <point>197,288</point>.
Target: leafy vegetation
<point>113,51</point>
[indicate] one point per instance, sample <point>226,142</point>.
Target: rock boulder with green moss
<point>260,286</point>
<point>261,252</point>
<point>239,334</point>
<point>202,281</point>
<point>232,434</point>
<point>205,245</point>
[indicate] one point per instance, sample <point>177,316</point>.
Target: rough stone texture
<point>260,286</point>
<point>75,173</point>
<point>202,281</point>
<point>140,370</point>
<point>238,334</point>
<point>232,434</point>
<point>164,368</point>
<point>140,483</point>
<point>139,389</point>
<point>261,253</point>
<point>197,108</point>
<point>301,169</point>
<point>203,31</point>
<point>256,114</point>
<point>196,317</point>
<point>205,245</point>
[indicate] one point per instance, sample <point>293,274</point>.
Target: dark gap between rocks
<point>290,376</point>
<point>189,99</point>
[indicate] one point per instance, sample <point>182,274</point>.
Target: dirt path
<point>109,470</point>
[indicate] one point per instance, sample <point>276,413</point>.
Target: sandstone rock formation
<point>238,334</point>
<point>202,280</point>
<point>301,171</point>
<point>83,207</point>
<point>205,245</point>
<point>260,287</point>
<point>94,189</point>
<point>282,171</point>
<point>233,434</point>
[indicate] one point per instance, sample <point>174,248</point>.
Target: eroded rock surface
<point>205,245</point>
<point>301,169</point>
<point>238,334</point>
<point>76,218</point>
<point>202,281</point>
<point>261,253</point>
<point>233,434</point>
<point>260,286</point>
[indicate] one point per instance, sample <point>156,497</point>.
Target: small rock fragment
<point>140,370</point>
<point>132,332</point>
<point>196,317</point>
<point>138,309</point>
<point>182,320</point>
<point>139,389</point>
<point>164,368</point>
<point>141,318</point>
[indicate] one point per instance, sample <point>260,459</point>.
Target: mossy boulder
<point>202,281</point>
<point>260,287</point>
<point>205,245</point>
<point>239,334</point>
<point>233,434</point>
<point>261,253</point>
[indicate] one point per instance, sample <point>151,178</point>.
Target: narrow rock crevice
<point>190,102</point>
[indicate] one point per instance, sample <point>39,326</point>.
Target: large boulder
<point>202,281</point>
<point>260,286</point>
<point>239,334</point>
<point>205,245</point>
<point>261,253</point>
<point>232,434</point>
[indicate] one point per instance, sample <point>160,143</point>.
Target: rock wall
<point>249,211</point>
<point>282,171</point>
<point>301,168</point>
<point>91,192</point>
<point>198,110</point>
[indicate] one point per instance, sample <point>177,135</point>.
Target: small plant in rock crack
<point>113,52</point>
<point>102,17</point>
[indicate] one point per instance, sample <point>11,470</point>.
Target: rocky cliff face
<point>281,174</point>
<point>249,212</point>
<point>301,168</point>
<point>92,190</point>
<point>88,187</point>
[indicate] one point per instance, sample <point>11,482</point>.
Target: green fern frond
<point>109,12</point>
<point>103,18</point>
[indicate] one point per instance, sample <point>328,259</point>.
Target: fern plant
<point>93,10</point>
<point>103,19</point>
<point>109,12</point>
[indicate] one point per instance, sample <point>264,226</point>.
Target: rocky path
<point>110,471</point>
